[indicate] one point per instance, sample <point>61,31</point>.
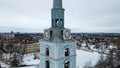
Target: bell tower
<point>57,48</point>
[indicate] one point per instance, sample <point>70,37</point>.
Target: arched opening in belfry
<point>47,51</point>
<point>47,64</point>
<point>57,22</point>
<point>51,33</point>
<point>61,23</point>
<point>67,64</point>
<point>67,52</point>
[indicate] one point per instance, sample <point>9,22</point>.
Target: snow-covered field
<point>86,58</point>
<point>4,65</point>
<point>83,58</point>
<point>28,60</point>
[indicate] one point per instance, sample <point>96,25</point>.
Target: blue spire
<point>57,14</point>
<point>57,4</point>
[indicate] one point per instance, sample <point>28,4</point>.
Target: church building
<point>57,48</point>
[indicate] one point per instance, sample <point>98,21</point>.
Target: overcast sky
<point>80,15</point>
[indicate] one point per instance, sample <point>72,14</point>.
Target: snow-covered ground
<point>85,57</point>
<point>4,65</point>
<point>28,60</point>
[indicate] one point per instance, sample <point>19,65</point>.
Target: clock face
<point>66,34</point>
<point>47,34</point>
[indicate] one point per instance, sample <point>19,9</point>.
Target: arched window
<point>47,52</point>
<point>57,22</point>
<point>47,64</point>
<point>67,64</point>
<point>67,52</point>
<point>61,22</point>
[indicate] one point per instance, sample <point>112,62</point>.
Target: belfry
<point>57,48</point>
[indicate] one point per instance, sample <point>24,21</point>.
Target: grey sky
<point>80,15</point>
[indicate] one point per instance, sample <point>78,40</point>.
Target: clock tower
<point>57,48</point>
